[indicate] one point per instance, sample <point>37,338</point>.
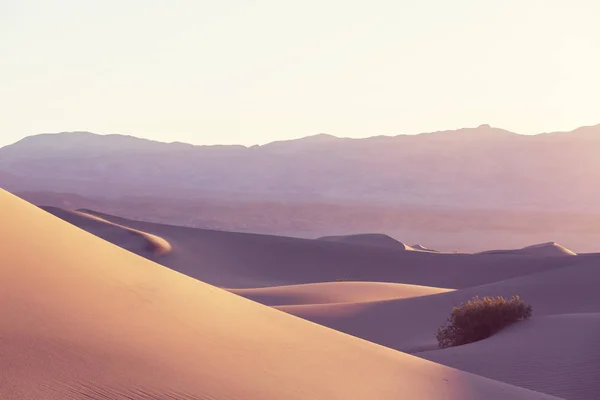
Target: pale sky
<point>254,71</point>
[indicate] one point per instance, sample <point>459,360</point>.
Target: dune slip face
<point>83,319</point>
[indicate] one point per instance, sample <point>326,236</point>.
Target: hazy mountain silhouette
<point>472,167</point>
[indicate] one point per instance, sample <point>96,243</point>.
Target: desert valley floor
<point>94,306</point>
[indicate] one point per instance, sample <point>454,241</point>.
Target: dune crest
<point>135,240</point>
<point>542,249</point>
<point>82,319</point>
<point>156,244</point>
<point>423,248</point>
<point>266,260</point>
<point>410,324</point>
<point>335,293</point>
<point>368,239</point>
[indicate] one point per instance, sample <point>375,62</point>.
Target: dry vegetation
<point>479,319</point>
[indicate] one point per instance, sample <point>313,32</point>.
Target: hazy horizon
<point>249,73</point>
<point>166,140</point>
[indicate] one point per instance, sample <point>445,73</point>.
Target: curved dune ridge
<point>369,239</point>
<point>557,354</point>
<point>245,260</point>
<point>335,292</point>
<point>82,319</point>
<point>422,248</point>
<point>134,240</point>
<point>543,249</point>
<point>410,324</point>
<point>156,244</point>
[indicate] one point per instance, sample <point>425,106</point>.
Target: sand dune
<point>558,354</point>
<point>335,292</point>
<point>409,324</point>
<point>369,239</point>
<point>134,240</point>
<point>375,239</point>
<point>291,275</point>
<point>82,319</point>
<point>155,244</point>
<point>264,260</point>
<point>422,248</point>
<point>543,249</point>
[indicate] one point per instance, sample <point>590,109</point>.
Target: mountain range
<point>483,167</point>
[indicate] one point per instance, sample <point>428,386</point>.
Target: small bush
<point>481,318</point>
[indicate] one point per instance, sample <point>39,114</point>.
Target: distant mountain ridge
<point>471,167</point>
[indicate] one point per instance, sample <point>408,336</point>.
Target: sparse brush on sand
<point>479,319</point>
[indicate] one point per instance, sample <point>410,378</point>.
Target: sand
<point>409,324</point>
<point>422,248</point>
<point>558,354</point>
<point>542,249</point>
<point>369,239</point>
<point>243,260</point>
<point>334,293</point>
<point>84,319</point>
<point>397,298</point>
<point>136,241</point>
<point>155,244</point>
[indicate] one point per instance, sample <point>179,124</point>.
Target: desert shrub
<point>481,318</point>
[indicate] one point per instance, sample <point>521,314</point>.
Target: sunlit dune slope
<point>83,319</point>
<point>556,354</point>
<point>335,292</point>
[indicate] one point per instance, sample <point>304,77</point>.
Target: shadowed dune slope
<point>369,239</point>
<point>410,324</point>
<point>557,354</point>
<point>335,292</point>
<point>263,260</point>
<point>83,319</point>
